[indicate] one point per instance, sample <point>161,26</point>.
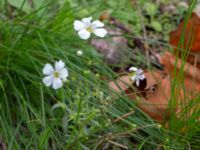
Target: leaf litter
<point>153,96</point>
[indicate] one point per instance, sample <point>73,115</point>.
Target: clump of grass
<point>85,113</point>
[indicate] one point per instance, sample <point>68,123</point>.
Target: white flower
<point>79,53</point>
<point>55,77</point>
<point>85,27</point>
<point>137,76</point>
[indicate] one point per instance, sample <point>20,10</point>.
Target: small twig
<point>119,25</point>
<point>154,54</point>
<point>38,120</point>
<point>109,137</point>
<point>117,144</point>
<point>159,147</point>
<point>123,116</point>
<point>134,129</point>
<point>188,143</point>
<point>145,36</point>
<point>142,39</point>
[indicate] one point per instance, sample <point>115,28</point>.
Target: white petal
<point>101,32</point>
<point>59,65</point>
<point>48,69</point>
<point>78,25</point>
<point>97,24</point>
<point>84,34</point>
<point>48,80</point>
<point>63,73</point>
<point>137,82</point>
<point>133,78</point>
<point>141,77</point>
<point>139,72</point>
<point>133,69</point>
<point>57,83</point>
<point>87,21</point>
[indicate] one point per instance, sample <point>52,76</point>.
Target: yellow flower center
<point>56,74</point>
<point>132,74</point>
<point>89,29</point>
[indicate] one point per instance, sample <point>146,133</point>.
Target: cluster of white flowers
<point>137,75</point>
<point>55,76</point>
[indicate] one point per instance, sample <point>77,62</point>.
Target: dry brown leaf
<point>121,84</point>
<point>192,73</point>
<point>191,87</point>
<point>157,94</point>
<point>192,38</point>
<point>191,70</point>
<point>191,33</point>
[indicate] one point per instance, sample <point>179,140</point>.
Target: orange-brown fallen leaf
<point>155,103</point>
<point>191,73</point>
<point>191,34</point>
<point>191,70</point>
<point>190,88</point>
<point>158,90</point>
<point>191,38</point>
